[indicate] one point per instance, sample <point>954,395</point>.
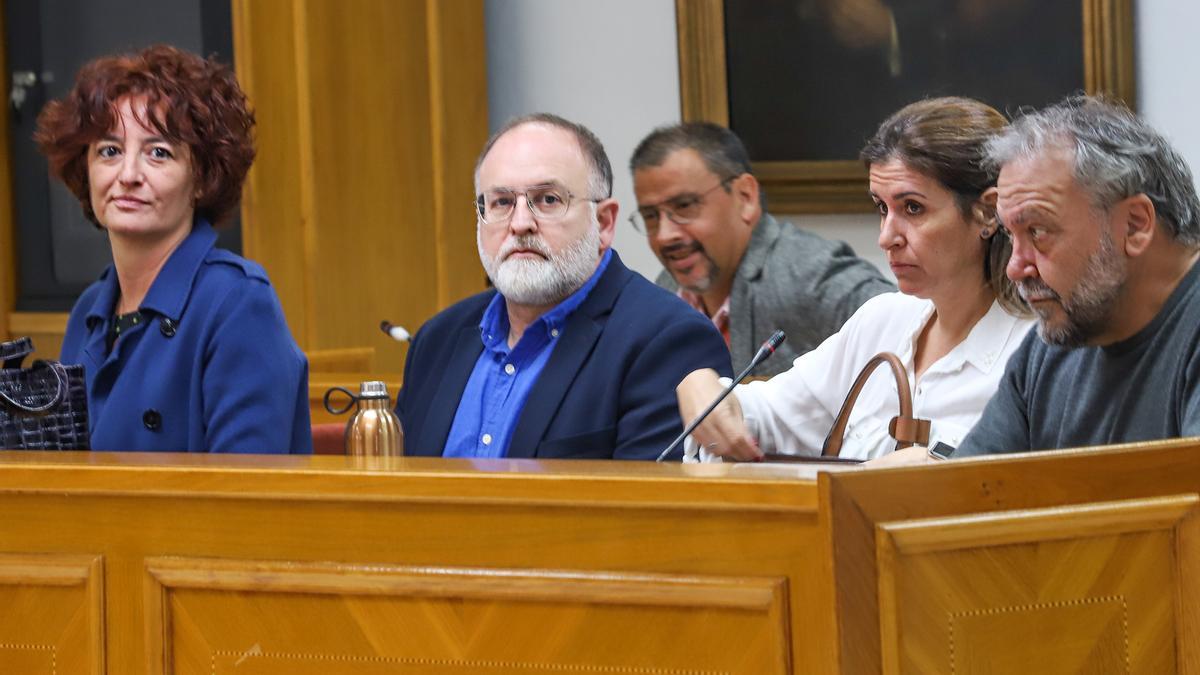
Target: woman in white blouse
<point>954,323</point>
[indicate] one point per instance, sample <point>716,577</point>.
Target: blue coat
<point>608,390</point>
<point>211,368</point>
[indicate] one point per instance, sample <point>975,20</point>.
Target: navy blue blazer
<point>607,392</point>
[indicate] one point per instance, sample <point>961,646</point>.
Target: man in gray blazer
<point>700,207</point>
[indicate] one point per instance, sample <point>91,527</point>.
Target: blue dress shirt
<point>502,379</point>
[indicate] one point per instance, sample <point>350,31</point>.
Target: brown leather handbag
<point>906,429</point>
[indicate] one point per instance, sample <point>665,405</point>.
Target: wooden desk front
<point>1081,562</point>
<point>1069,562</point>
<point>188,564</point>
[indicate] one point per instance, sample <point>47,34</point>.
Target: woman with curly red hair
<point>185,345</point>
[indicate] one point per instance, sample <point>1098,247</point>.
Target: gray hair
<point>1116,155</point>
<point>600,174</point>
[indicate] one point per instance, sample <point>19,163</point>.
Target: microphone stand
<point>765,351</point>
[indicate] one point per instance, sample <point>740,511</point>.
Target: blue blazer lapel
<point>436,427</point>
<point>579,337</point>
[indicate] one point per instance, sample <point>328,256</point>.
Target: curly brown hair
<point>188,100</point>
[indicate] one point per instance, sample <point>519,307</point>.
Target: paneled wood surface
<point>53,614</point>
<point>1061,562</point>
<point>370,115</point>
<point>1067,562</point>
<point>341,565</point>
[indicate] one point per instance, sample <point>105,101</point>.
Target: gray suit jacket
<point>794,281</point>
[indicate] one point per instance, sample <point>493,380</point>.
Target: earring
<point>992,226</point>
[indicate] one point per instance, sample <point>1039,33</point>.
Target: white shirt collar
<point>983,348</point>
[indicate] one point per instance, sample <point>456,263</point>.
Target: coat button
<point>152,419</point>
<point>166,327</point>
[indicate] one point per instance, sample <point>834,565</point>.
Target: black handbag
<point>43,407</point>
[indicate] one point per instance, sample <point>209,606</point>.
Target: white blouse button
<point>510,368</point>
<point>553,332</point>
<point>487,439</point>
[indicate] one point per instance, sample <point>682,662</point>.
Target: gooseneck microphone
<point>393,331</point>
<point>764,352</point>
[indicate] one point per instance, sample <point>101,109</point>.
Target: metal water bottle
<point>374,430</point>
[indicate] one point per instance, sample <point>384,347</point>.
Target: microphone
<point>764,352</point>
<point>393,331</point>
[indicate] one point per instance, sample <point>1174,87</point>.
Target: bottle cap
<point>373,389</point>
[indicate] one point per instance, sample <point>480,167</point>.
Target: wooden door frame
<point>8,258</point>
<point>12,322</point>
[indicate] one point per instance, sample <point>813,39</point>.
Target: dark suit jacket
<point>608,390</point>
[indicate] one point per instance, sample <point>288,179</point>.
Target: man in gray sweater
<point>700,207</point>
<point>1105,224</point>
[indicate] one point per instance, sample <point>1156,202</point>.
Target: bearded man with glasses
<point>700,208</point>
<point>572,355</point>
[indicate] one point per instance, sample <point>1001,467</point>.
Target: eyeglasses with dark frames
<point>680,209</point>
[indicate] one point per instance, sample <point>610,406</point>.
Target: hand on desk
<point>723,432</point>
<point>917,454</point>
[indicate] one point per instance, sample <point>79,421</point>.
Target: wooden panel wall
<point>369,124</point>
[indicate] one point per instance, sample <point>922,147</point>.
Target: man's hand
<point>917,454</point>
<point>723,432</point>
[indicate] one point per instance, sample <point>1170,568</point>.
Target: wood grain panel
<point>458,104</point>
<point>549,561</point>
<point>370,117</point>
<point>703,89</point>
<point>372,189</point>
<point>1074,590</point>
<point>52,619</point>
<point>1009,639</point>
<point>1108,49</point>
<point>275,222</point>
<point>301,618</point>
<point>1118,508</point>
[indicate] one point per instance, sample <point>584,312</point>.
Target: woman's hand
<point>910,456</point>
<point>723,432</point>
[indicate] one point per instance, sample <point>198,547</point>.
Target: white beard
<point>528,281</point>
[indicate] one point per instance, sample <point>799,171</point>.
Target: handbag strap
<point>14,352</point>
<point>60,374</point>
<point>905,428</point>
